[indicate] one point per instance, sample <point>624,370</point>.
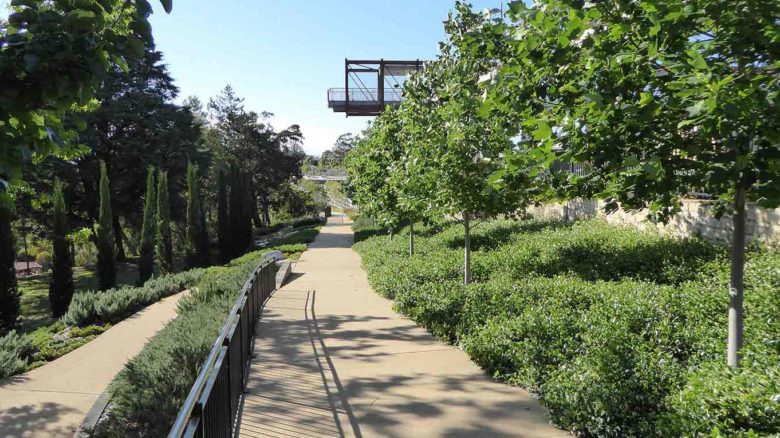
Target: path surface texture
<point>334,359</point>
<point>52,401</point>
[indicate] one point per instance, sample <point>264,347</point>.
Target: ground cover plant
<point>620,331</point>
<point>148,393</point>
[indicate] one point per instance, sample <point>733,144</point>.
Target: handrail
<point>259,282</point>
<point>358,95</point>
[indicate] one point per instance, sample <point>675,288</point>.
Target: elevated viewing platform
<point>371,85</point>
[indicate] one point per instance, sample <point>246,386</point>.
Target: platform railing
<point>211,408</point>
<point>364,95</point>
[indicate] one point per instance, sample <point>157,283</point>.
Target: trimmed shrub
<point>620,331</point>
<point>15,351</point>
<point>115,304</point>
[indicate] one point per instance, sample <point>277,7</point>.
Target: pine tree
<point>223,217</point>
<point>164,234</point>
<point>9,294</point>
<point>61,286</point>
<point>148,231</point>
<point>193,246</point>
<point>104,231</point>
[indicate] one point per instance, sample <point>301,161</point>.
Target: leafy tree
<point>53,56</point>
<point>450,150</point>
<point>193,247</point>
<point>104,235</point>
<point>658,98</point>
<point>61,287</point>
<point>164,248</point>
<point>371,166</point>
<point>335,157</point>
<point>9,294</point>
<point>223,218</point>
<point>148,230</point>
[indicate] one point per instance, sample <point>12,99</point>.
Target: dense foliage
<point>52,58</point>
<point>620,331</point>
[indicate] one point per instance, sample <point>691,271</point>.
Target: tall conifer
<point>104,231</point>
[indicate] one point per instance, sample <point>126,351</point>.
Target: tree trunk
<point>26,253</point>
<point>466,249</point>
<point>411,237</point>
<point>119,238</point>
<point>266,215</point>
<point>391,234</point>
<point>736,287</point>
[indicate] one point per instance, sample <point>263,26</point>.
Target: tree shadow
<point>27,419</point>
<point>295,386</point>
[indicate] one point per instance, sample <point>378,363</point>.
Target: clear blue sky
<point>282,56</point>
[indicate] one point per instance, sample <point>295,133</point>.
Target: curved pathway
<point>52,400</point>
<point>334,359</point>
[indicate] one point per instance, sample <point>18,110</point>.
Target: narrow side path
<point>334,359</point>
<point>52,400</point>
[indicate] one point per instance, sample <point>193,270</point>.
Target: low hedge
<point>116,304</point>
<point>147,395</point>
<point>626,340</point>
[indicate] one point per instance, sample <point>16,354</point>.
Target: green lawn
<point>36,311</point>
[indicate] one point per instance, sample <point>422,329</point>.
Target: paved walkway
<point>51,401</point>
<point>333,359</point>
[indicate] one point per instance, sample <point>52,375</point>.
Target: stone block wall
<point>695,219</point>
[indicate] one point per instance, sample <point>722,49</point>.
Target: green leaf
<point>696,60</point>
<point>543,130</point>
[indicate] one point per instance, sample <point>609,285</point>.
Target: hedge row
<point>625,339</point>
<point>116,304</point>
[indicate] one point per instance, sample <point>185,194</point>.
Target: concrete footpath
<point>334,359</point>
<point>51,401</point>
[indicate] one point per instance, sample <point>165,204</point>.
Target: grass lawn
<point>36,311</point>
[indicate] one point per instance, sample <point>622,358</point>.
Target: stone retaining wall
<point>695,219</point>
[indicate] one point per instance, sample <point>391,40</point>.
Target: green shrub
<point>148,393</point>
<point>15,351</point>
<point>617,329</point>
<point>116,304</point>
<point>720,401</point>
<point>308,222</point>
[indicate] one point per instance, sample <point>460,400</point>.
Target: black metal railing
<point>211,408</point>
<point>364,95</point>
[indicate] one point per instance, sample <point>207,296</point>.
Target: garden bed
<point>621,332</point>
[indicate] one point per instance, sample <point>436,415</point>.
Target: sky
<point>282,56</point>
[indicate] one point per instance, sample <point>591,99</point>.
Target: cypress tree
<point>236,209</point>
<point>223,217</point>
<point>9,294</point>
<point>164,233</point>
<point>248,211</point>
<point>61,286</point>
<point>104,231</point>
<point>148,231</point>
<point>193,246</point>
<point>203,243</point>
